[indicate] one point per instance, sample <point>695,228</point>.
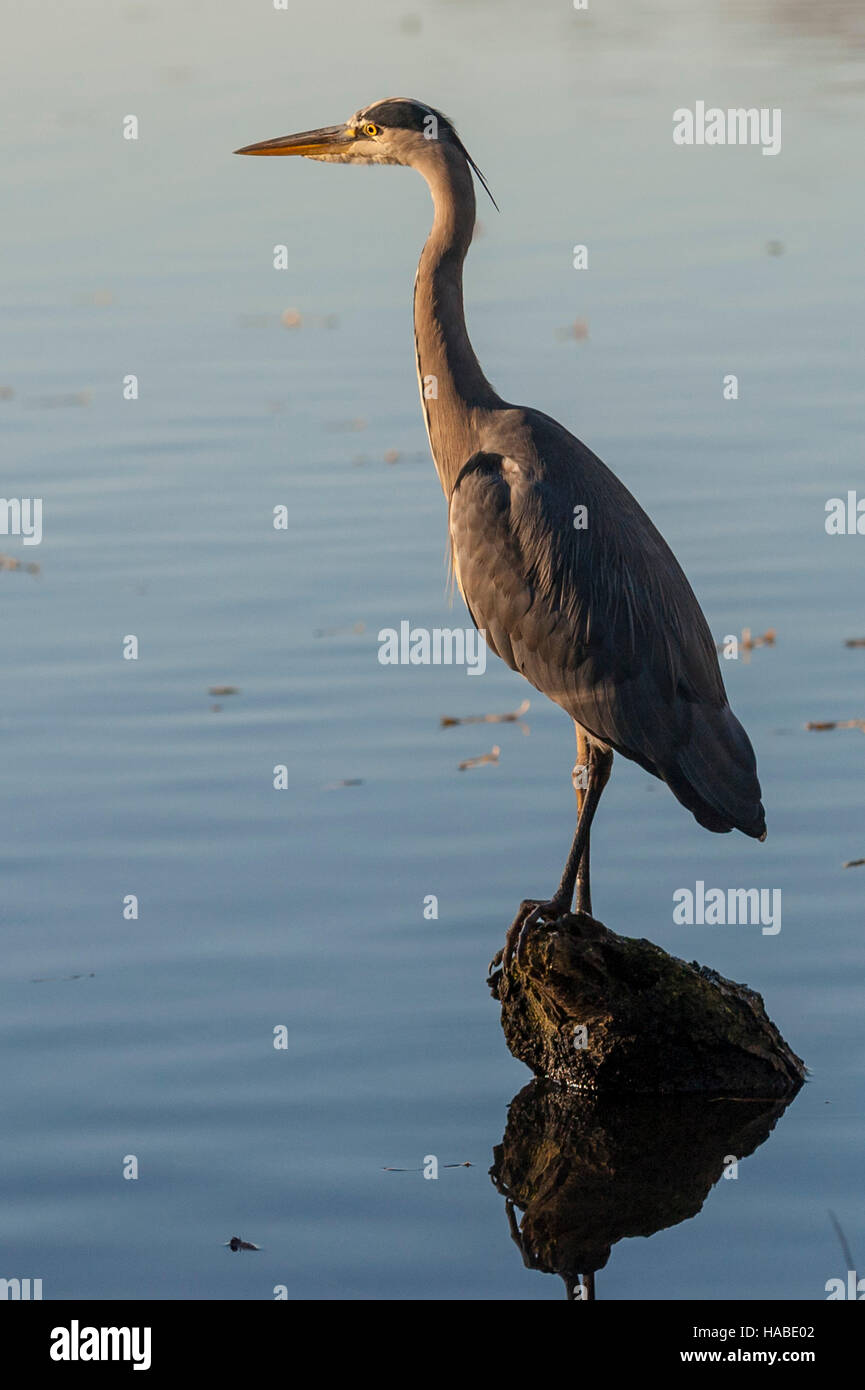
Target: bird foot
<point>531,914</point>
<point>494,964</point>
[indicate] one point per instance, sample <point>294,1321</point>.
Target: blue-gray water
<point>304,907</point>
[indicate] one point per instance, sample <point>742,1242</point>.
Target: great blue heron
<point>600,616</point>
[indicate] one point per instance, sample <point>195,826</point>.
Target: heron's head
<point>398,130</point>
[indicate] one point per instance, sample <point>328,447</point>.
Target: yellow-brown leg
<point>584,891</point>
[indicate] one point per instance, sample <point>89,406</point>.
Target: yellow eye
<point>370,129</point>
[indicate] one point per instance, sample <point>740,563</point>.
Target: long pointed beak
<point>330,139</point>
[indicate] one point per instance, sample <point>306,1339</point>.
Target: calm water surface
<point>304,908</point>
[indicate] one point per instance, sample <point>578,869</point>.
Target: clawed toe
<point>512,939</point>
<point>530,915</point>
<point>523,935</point>
<point>496,961</point>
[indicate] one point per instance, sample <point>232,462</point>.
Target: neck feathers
<point>455,394</point>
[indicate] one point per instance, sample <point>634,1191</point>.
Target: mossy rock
<point>600,1012</point>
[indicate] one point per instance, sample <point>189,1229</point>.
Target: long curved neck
<point>455,395</point>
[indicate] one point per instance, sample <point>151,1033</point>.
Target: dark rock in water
<point>600,1012</point>
<point>589,1170</point>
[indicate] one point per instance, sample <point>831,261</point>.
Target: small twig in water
<point>420,1170</point>
<point>514,717</point>
<point>343,631</point>
<point>491,757</point>
<point>836,724</point>
<point>50,979</point>
<point>748,643</point>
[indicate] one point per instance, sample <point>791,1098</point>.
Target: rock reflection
<point>587,1171</point>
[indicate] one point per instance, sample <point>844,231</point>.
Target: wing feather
<point>601,619</point>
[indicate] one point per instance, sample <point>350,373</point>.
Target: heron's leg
<point>584,892</point>
<point>586,1287</point>
<point>578,776</point>
<point>600,763</point>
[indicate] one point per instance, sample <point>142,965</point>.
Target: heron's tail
<point>714,774</point>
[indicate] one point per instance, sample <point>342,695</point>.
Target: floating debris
<point>9,562</point>
<point>392,456</point>
<point>853,863</point>
<point>344,426</point>
<point>176,74</point>
<point>491,757</point>
<point>513,717</point>
<point>423,1168</point>
<point>748,642</point>
<point>577,331</point>
<point>61,400</point>
<point>345,782</point>
<point>237,1244</point>
<point>6,393</point>
<point>52,979</point>
<point>99,299</point>
<point>224,690</point>
<point>855,642</point>
<point>339,631</point>
<point>836,724</point>
<point>289,318</point>
<point>775,247</point>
